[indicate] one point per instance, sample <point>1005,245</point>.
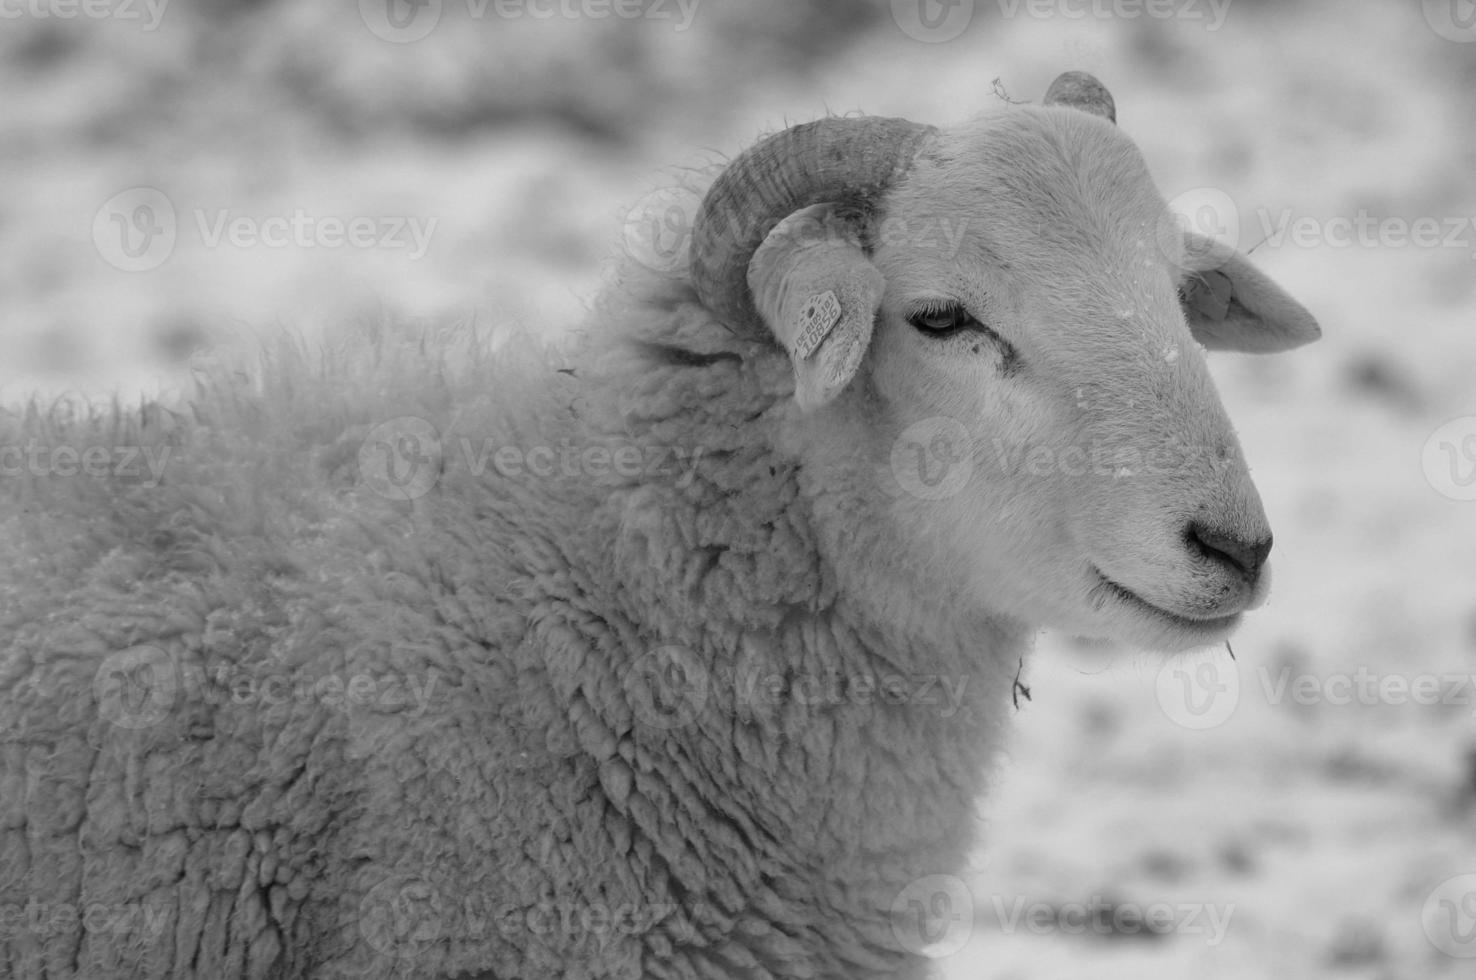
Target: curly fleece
<point>561,714</point>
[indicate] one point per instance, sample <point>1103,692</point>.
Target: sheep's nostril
<point>1246,556</point>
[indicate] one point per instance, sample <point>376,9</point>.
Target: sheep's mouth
<point>1108,589</point>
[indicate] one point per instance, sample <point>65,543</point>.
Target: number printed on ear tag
<point>817,318</point>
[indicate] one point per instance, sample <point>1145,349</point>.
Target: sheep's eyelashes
<point>944,321</point>
<point>952,320</point>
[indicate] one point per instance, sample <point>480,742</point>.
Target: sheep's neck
<point>830,756</point>
<point>841,756</point>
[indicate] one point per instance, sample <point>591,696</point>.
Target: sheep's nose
<point>1244,556</point>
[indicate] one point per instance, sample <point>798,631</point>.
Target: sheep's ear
<point>1231,305</point>
<point>819,294</point>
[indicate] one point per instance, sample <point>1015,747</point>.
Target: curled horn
<point>1081,91</point>
<point>850,162</point>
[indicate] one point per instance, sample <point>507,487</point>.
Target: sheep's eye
<point>952,320</point>
<point>944,320</point>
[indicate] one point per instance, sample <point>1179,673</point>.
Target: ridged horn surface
<point>850,162</point>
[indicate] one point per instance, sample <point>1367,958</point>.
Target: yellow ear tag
<point>816,318</point>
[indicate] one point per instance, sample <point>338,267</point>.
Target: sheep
<point>678,654</point>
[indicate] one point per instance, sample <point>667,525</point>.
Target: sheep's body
<point>660,664</point>
<point>501,793</point>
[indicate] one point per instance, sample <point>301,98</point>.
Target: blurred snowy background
<point>178,174</point>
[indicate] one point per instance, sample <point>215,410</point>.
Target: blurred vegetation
<point>606,78</point>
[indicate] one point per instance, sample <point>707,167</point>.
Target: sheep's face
<point>1016,361</point>
<point>1007,370</point>
<point>1044,411</point>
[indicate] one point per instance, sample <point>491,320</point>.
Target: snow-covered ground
<point>1301,811</point>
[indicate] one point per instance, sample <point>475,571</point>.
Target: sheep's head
<point>1013,300</point>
